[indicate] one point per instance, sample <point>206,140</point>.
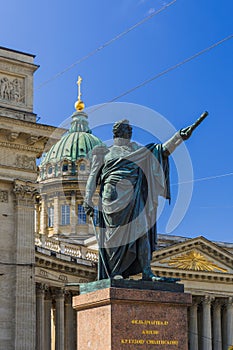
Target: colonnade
<point>56,320</point>
<point>211,323</point>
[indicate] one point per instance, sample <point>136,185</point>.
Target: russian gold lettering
<point>133,341</point>
<point>162,342</point>
<point>150,322</point>
<point>148,331</point>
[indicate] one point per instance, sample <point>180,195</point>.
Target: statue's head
<point>122,129</point>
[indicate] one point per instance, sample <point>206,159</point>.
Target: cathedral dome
<point>75,145</point>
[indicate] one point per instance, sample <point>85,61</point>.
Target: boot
<point>144,257</point>
<point>144,254</point>
<point>147,275</point>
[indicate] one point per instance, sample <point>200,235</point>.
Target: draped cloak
<point>129,190</point>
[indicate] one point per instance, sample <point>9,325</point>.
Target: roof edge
<point>17,51</point>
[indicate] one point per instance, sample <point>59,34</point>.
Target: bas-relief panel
<point>3,196</point>
<point>192,260</point>
<point>20,161</point>
<point>25,162</point>
<point>12,89</point>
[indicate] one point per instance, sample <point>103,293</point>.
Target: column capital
<point>40,289</point>
<point>217,303</point>
<point>24,189</point>
<point>59,293</point>
<point>195,302</point>
<point>229,302</point>
<point>48,294</point>
<point>68,297</point>
<point>207,300</point>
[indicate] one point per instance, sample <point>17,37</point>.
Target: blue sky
<point>60,33</point>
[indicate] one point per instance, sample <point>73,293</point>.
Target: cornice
<point>23,123</point>
<point>31,66</point>
<point>71,267</point>
<point>61,187</point>
<point>198,276</point>
<point>7,49</point>
<point>27,148</point>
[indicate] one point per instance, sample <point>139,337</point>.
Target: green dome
<point>75,144</point>
<point>70,156</point>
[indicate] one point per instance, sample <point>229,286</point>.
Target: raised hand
<point>185,133</point>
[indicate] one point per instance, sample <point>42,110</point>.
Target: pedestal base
<point>122,318</point>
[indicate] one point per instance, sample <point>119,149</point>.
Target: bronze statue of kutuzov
<point>130,179</point>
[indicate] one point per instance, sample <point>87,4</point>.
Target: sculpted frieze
<point>19,161</point>
<point>12,89</point>
<point>25,162</point>
<point>3,196</point>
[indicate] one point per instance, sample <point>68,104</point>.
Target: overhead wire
<point>107,43</point>
<point>147,81</point>
<point>175,66</point>
<point>99,48</point>
<point>203,179</point>
<point>163,73</point>
<point>199,53</point>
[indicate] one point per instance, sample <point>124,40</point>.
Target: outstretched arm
<point>184,134</point>
<point>170,145</point>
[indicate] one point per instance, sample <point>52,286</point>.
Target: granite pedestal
<point>115,315</point>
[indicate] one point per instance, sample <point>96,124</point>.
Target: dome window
<point>50,170</point>
<point>82,167</point>
<point>65,167</point>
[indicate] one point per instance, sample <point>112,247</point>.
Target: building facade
<point>47,242</point>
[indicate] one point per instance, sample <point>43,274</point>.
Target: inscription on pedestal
<point>132,319</point>
<point>151,335</point>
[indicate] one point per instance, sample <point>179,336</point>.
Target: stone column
<point>40,293</point>
<point>69,322</point>
<point>229,316</point>
<point>37,217</point>
<point>43,215</point>
<point>47,322</point>
<point>73,213</point>
<point>25,296</point>
<point>56,214</point>
<point>217,328</point>
<point>53,326</point>
<point>60,320</point>
<point>207,331</point>
<point>193,329</point>
<point>224,327</point>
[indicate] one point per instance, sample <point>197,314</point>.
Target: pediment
<point>194,255</point>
